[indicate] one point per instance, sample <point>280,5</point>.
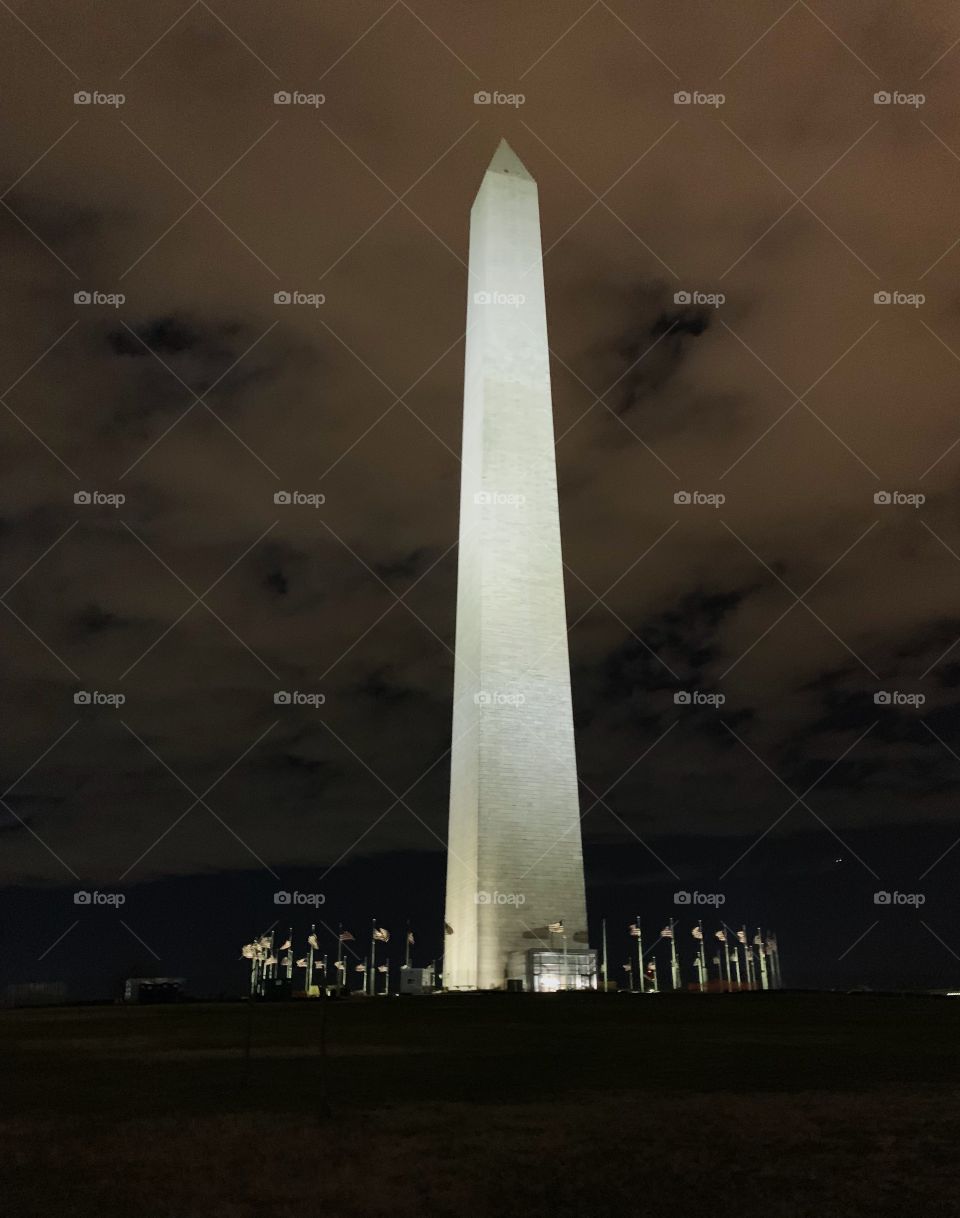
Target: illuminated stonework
<point>515,862</point>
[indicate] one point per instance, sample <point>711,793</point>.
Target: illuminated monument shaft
<point>515,863</point>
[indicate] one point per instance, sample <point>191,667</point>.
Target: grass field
<point>501,1105</point>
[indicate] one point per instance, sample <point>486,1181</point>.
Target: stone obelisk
<point>515,861</point>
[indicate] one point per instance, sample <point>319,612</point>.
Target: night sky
<point>798,398</point>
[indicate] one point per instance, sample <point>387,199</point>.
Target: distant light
<point>953,993</point>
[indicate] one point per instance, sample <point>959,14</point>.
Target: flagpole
<point>639,955</point>
<point>736,964</point>
<point>604,970</point>
<point>703,961</point>
<point>726,961</point>
<point>372,986</point>
<point>674,966</point>
<point>313,931</point>
<point>406,961</point>
<point>763,960</point>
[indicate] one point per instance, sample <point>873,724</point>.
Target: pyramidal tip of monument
<point>505,160</point>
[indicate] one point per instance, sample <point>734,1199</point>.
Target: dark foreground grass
<point>776,1104</point>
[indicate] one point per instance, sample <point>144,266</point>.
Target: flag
<point>667,932</point>
<point>346,937</point>
<point>381,935</point>
<point>757,940</point>
<point>628,967</point>
<point>270,960</point>
<point>447,928</point>
<point>722,936</point>
<point>555,928</point>
<point>339,964</point>
<point>248,951</point>
<point>264,942</point>
<point>361,968</point>
<point>716,960</point>
<point>382,968</point>
<point>312,941</point>
<point>302,963</point>
<point>651,966</point>
<point>410,937</point>
<point>635,930</point>
<point>697,932</point>
<point>285,945</point>
<point>742,936</point>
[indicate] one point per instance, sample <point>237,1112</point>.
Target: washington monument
<point>515,907</point>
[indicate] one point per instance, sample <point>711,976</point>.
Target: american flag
<point>722,936</point>
<point>628,967</point>
<point>410,937</point>
<point>757,940</point>
<point>361,968</point>
<point>555,928</point>
<point>285,945</point>
<point>635,930</point>
<point>312,941</point>
<point>382,968</point>
<point>381,935</point>
<point>742,936</point>
<point>667,932</point>
<point>346,937</point>
<point>302,963</point>
<point>697,932</point>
